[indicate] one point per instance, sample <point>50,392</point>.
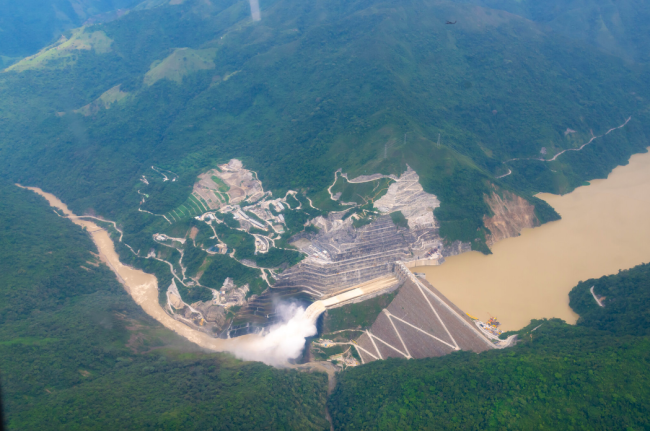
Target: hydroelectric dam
<point>420,322</point>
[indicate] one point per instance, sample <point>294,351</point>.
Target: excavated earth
<point>346,257</point>
<point>512,214</point>
<point>341,256</point>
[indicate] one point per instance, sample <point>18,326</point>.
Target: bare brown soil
<point>512,214</point>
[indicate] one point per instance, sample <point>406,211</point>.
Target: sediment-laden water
<point>605,227</point>
<point>283,342</point>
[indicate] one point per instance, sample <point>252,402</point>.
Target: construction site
<point>421,322</point>
<point>340,256</point>
<point>346,262</point>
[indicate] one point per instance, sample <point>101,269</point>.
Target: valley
<point>203,322</point>
<point>466,278</point>
<point>143,288</point>
<point>341,214</point>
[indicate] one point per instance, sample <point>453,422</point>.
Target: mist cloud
<point>282,342</point>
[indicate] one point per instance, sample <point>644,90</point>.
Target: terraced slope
<point>350,256</point>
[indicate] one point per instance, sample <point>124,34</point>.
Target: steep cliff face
<point>512,213</point>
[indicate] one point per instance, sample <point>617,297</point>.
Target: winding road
<point>564,151</point>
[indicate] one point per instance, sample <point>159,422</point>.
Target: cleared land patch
<point>106,100</point>
<point>65,48</point>
<point>360,193</point>
<point>180,63</point>
<point>230,183</point>
<point>221,186</point>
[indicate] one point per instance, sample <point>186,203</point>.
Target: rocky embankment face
<point>340,255</point>
<point>512,214</point>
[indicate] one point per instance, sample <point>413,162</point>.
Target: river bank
<point>605,227</point>
<point>143,287</point>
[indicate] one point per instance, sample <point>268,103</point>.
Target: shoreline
<point>527,277</point>
<point>604,229</point>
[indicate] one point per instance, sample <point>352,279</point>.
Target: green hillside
<point>616,27</point>
<point>117,114</point>
<point>626,300</point>
<point>366,85</point>
<point>77,353</point>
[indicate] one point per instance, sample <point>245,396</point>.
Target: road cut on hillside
<point>273,348</point>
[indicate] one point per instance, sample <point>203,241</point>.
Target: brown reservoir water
<point>605,227</point>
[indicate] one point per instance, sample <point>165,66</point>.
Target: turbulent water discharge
<point>282,342</point>
<point>605,227</point>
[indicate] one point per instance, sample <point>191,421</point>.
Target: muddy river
<point>143,287</point>
<point>605,227</point>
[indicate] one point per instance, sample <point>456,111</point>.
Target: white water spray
<point>283,341</point>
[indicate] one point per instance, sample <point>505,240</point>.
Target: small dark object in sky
<point>449,22</point>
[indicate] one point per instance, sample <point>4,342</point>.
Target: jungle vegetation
<point>29,25</point>
<point>76,352</point>
<point>363,85</point>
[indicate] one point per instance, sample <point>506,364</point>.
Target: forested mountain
<point>28,25</point>
<point>101,114</point>
<point>366,85</point>
<point>616,27</point>
<point>626,300</point>
<point>77,353</point>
